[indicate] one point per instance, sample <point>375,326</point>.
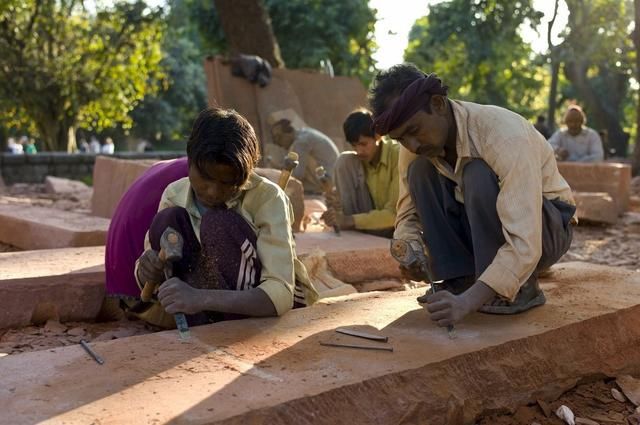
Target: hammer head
<point>321,173</point>
<point>290,161</point>
<point>171,242</point>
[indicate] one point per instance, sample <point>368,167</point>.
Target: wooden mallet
<point>290,162</point>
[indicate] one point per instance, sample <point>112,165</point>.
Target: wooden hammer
<point>290,162</point>
<point>327,188</point>
<point>171,243</point>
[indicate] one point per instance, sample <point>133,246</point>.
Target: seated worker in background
<point>480,192</point>
<point>577,142</point>
<point>541,126</point>
<point>366,180</point>
<point>313,148</point>
<point>239,256</point>
<point>129,224</point>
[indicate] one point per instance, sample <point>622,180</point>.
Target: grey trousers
<point>463,239</point>
<point>351,184</point>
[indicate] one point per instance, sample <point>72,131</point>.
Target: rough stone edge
<point>458,390</point>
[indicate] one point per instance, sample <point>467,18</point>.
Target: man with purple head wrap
<point>480,192</point>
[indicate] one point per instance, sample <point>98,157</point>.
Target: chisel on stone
<point>364,335</point>
<point>92,353</point>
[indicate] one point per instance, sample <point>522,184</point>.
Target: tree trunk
<point>636,41</point>
<point>247,27</point>
<point>555,71</point>
<point>553,94</point>
<point>55,134</point>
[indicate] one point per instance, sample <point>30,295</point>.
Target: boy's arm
<point>178,296</point>
<point>164,203</point>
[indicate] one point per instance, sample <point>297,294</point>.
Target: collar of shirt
<point>385,155</point>
<point>187,197</point>
<point>464,146</point>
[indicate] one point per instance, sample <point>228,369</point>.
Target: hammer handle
<point>284,179</point>
<point>150,287</point>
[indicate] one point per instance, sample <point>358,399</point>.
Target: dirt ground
<point>593,401</point>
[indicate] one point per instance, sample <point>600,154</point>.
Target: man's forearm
<point>254,302</point>
<point>477,295</point>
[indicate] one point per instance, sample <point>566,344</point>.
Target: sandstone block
<point>274,370</point>
<point>598,207</point>
<point>62,186</point>
<point>612,178</point>
<point>31,227</point>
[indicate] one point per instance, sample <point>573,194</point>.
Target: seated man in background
<point>577,142</point>
<point>313,148</point>
<point>366,179</point>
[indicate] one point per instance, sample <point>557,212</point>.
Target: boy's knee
<point>176,217</point>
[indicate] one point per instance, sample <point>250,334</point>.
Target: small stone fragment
<point>564,413</point>
<point>54,326</point>
<point>618,395</point>
<point>630,386</point>
<point>544,406</point>
<point>77,331</point>
<point>586,421</point>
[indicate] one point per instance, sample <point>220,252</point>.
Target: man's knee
<point>419,170</point>
<point>478,180</point>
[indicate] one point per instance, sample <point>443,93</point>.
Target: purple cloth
<point>411,100</point>
<point>130,222</point>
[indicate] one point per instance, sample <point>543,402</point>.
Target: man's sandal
<point>529,296</point>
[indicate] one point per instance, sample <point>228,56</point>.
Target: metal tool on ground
<point>409,257</point>
<point>365,335</point>
<point>290,163</point>
<point>171,244</point>
<point>364,347</point>
<point>92,353</point>
<point>327,188</point>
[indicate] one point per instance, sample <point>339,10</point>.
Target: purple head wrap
<point>410,101</point>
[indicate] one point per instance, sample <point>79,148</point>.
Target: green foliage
<point>598,56</point>
<point>476,47</point>
<point>309,31</point>
<point>61,66</point>
<point>169,114</point>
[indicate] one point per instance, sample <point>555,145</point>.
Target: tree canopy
<point>477,49</point>
<point>63,66</point>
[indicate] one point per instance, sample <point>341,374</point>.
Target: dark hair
<point>225,137</point>
<point>283,125</point>
<point>358,123</point>
<point>541,118</point>
<point>389,84</point>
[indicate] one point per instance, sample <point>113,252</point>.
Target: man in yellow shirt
<point>366,179</point>
<point>480,188</point>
